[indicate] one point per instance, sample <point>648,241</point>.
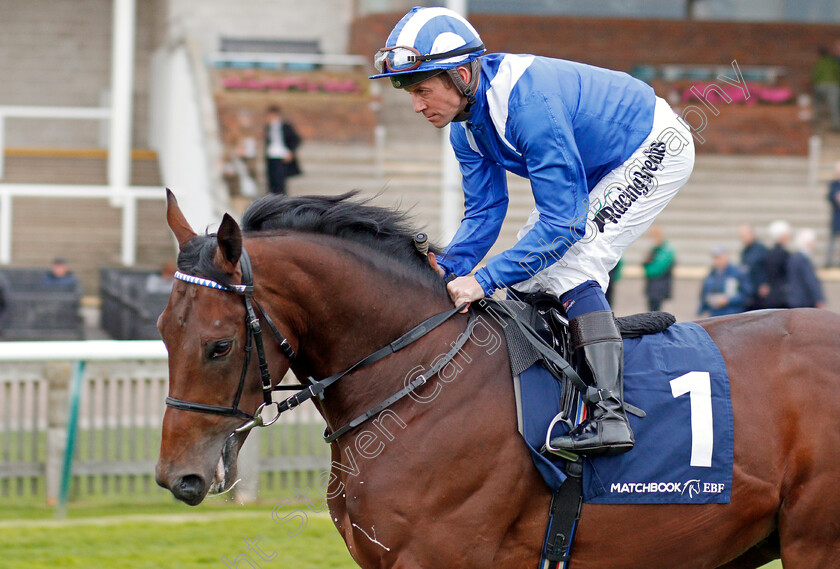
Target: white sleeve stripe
<point>498,95</point>
<point>471,140</point>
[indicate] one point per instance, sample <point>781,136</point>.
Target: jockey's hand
<point>465,289</point>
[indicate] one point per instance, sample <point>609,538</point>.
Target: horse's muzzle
<point>190,489</point>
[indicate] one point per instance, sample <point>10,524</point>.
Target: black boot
<point>597,344</point>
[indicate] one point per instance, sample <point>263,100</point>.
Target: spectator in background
<point>161,283</point>
<point>804,288</point>
<point>281,143</point>
<point>4,306</point>
<point>726,288</point>
<point>826,79</point>
<point>615,276</point>
<point>772,292</point>
<point>60,276</point>
<point>834,228</point>
<point>752,263</point>
<point>659,267</point>
<point>240,149</point>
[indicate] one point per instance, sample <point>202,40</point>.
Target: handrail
<point>129,196</point>
<point>77,191</point>
<point>308,58</point>
<point>83,350</point>
<point>33,112</point>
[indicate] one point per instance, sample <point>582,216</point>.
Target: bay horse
<point>442,478</point>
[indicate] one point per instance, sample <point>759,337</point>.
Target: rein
<point>316,387</point>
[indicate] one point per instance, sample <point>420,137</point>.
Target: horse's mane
<point>384,230</point>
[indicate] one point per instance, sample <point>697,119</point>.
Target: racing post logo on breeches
<point>641,182</point>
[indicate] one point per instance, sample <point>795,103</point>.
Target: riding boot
<point>598,347</point>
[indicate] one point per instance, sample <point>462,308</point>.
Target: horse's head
<point>212,388</point>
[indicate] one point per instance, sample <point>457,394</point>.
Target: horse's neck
<point>344,312</point>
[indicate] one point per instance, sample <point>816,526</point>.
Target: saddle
<point>549,309</point>
<point>544,314</point>
<point>540,333</point>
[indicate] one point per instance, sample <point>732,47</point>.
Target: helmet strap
<point>466,89</point>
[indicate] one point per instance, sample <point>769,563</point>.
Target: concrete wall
<point>209,20</point>
<point>623,44</point>
<point>59,53</point>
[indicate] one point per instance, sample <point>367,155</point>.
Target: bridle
<point>316,387</point>
<point>253,337</point>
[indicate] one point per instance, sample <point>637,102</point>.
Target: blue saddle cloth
<point>684,447</point>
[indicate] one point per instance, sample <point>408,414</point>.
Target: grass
<point>157,532</point>
<point>168,535</point>
<point>164,536</point>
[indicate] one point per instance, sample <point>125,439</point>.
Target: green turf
<point>180,538</point>
<point>157,534</point>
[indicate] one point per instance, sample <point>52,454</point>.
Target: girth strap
<point>563,517</point>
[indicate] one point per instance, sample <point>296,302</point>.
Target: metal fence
<point>118,428</point>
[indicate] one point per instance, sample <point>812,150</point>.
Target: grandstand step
<point>88,167</point>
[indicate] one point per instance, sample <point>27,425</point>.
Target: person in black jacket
<point>752,263</point>
<point>281,143</point>
<point>834,228</point>
<point>804,288</point>
<point>772,293</point>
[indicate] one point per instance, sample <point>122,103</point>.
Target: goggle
<point>405,58</point>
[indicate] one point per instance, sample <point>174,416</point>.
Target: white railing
<point>30,112</point>
<point>87,350</point>
<point>49,397</point>
<point>338,60</point>
<point>128,197</point>
<point>118,114</point>
<point>105,399</point>
<point>118,194</point>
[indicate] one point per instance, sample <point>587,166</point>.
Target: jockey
<point>603,153</point>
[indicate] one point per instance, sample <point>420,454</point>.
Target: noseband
<point>315,388</point>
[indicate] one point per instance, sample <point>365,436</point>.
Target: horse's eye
<point>220,348</point>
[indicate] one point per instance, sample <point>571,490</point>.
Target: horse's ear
<point>176,220</point>
<point>229,237</point>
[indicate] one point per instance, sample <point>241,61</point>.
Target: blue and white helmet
<point>425,42</point>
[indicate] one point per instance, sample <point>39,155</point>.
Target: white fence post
<point>129,229</point>
<point>2,144</point>
<point>5,228</point>
<point>122,81</point>
<point>57,375</point>
<point>248,468</point>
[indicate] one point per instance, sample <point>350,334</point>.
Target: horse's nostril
<point>190,489</point>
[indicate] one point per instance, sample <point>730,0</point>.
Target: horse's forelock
<point>196,257</point>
